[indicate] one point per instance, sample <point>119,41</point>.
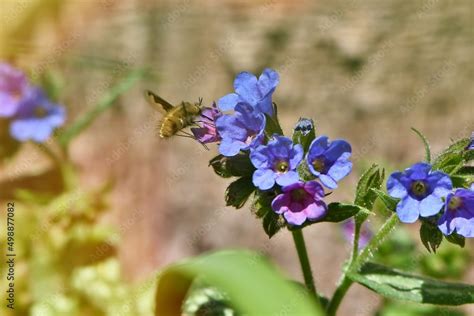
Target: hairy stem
<point>358,260</point>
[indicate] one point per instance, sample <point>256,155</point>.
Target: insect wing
<point>158,103</point>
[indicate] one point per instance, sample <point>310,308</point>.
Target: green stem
<point>65,167</point>
<point>357,261</point>
<point>304,261</point>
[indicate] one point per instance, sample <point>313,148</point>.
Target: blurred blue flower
<point>242,130</point>
<point>36,118</point>
<point>329,160</point>
<point>300,201</point>
<point>13,86</point>
<point>348,230</point>
<point>421,191</point>
<point>458,213</point>
<point>207,132</point>
<point>252,91</point>
<point>276,162</point>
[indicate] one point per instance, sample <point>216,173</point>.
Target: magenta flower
<point>300,202</point>
<point>13,86</point>
<point>207,132</point>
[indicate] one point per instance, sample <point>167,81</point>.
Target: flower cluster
<point>289,175</point>
<point>426,193</point>
<point>31,114</point>
<point>245,123</point>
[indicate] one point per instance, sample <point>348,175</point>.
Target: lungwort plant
<point>285,179</point>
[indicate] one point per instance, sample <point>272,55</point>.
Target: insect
<point>175,118</point>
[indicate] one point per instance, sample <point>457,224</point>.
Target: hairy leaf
<point>389,202</point>
<point>395,284</point>
<point>431,236</point>
<point>425,143</point>
<point>456,239</point>
<point>238,192</point>
<point>236,166</point>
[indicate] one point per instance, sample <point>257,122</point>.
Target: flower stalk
<point>357,261</point>
<point>300,245</point>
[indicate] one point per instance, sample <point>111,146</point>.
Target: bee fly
<point>175,118</point>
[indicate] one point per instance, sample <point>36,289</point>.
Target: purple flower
<point>421,191</point>
<point>276,162</point>
<point>300,202</point>
<point>241,130</point>
<point>13,85</point>
<point>458,213</point>
<point>471,144</point>
<point>329,160</point>
<point>36,118</point>
<point>207,132</point>
<point>348,229</point>
<point>252,91</point>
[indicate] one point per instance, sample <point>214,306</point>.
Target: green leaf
<point>272,125</point>
<point>431,236</point>
<point>468,155</point>
<point>462,181</point>
<point>466,171</point>
<point>371,179</point>
<point>389,202</point>
<point>272,223</point>
<point>452,158</point>
<point>261,207</point>
<point>251,284</point>
<point>425,143</point>
<point>236,166</point>
<point>107,101</point>
<point>395,284</point>
<point>238,192</point>
<point>456,239</point>
<point>338,212</point>
<point>304,133</point>
<point>365,196</point>
<point>304,172</point>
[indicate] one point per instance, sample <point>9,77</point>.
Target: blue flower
<point>241,130</point>
<point>36,118</point>
<point>252,91</point>
<point>471,144</point>
<point>421,191</point>
<point>13,87</point>
<point>329,160</point>
<point>276,162</point>
<point>458,213</point>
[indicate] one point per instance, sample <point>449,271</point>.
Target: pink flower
<point>207,132</point>
<point>300,202</point>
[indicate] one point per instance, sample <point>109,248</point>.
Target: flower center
<point>454,203</point>
<point>16,94</point>
<point>282,166</point>
<point>298,195</point>
<point>318,164</point>
<point>419,188</point>
<point>40,112</point>
<point>250,138</point>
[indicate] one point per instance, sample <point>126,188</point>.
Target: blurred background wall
<point>366,71</point>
